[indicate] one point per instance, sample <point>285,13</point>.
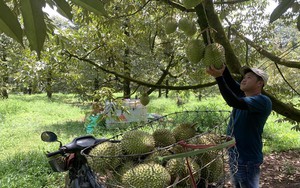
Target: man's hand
<point>211,70</point>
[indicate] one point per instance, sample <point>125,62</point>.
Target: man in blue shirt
<point>250,112</point>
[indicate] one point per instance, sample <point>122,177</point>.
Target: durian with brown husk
<point>214,55</point>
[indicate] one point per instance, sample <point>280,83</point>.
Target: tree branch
<point>230,2</point>
<point>265,53</point>
<point>198,86</point>
<point>284,109</point>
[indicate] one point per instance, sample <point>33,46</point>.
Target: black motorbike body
<point>71,158</point>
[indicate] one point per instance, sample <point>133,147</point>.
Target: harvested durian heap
<point>141,167</point>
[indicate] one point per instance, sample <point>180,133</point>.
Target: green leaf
<point>34,24</point>
<point>280,9</point>
<point>95,6</point>
<point>298,23</point>
<point>64,8</point>
<point>9,23</point>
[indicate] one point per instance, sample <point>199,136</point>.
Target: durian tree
<point>108,33</point>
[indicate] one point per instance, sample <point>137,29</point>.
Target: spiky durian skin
<point>214,55</point>
<point>195,50</point>
<point>137,142</point>
<point>179,169</point>
<point>163,137</point>
<point>211,162</point>
<point>147,175</point>
<point>100,164</point>
<point>184,131</point>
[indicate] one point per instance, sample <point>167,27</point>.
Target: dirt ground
<point>280,170</point>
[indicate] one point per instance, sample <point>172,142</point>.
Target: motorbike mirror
<point>49,136</point>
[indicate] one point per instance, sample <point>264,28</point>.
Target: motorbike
<point>72,158</point>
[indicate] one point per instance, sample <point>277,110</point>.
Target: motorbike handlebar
<point>61,152</point>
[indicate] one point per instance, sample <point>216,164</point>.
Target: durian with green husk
<point>179,169</point>
<point>213,166</point>
<point>214,55</point>
<point>170,25</point>
<point>154,157</point>
<point>121,170</point>
<point>211,161</point>
<point>105,149</point>
<point>184,131</point>
<point>192,30</point>
<point>137,142</point>
<point>163,137</point>
<point>145,99</point>
<point>187,26</point>
<point>147,175</point>
<point>191,3</point>
<point>195,50</point>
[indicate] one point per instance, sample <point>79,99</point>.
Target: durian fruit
<point>184,24</point>
<point>170,25</point>
<point>211,162</point>
<point>163,137</point>
<point>214,55</point>
<point>187,26</point>
<point>146,175</point>
<point>212,166</point>
<point>195,50</point>
<point>178,149</point>
<point>192,30</point>
<point>184,131</point>
<point>137,142</point>
<point>154,157</point>
<point>144,99</point>
<point>178,169</point>
<point>191,3</point>
<point>101,164</point>
<point>121,170</point>
<point>208,138</point>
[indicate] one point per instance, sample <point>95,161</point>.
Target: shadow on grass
<point>69,128</point>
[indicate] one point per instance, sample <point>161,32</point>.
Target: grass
<point>24,117</point>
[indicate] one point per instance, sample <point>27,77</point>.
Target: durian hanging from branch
<point>214,53</point>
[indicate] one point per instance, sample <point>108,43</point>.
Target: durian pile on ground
<point>138,159</point>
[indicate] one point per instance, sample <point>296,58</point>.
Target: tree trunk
<point>49,85</point>
<point>232,62</point>
<point>167,90</point>
<point>126,83</point>
<point>4,94</point>
<point>127,71</point>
